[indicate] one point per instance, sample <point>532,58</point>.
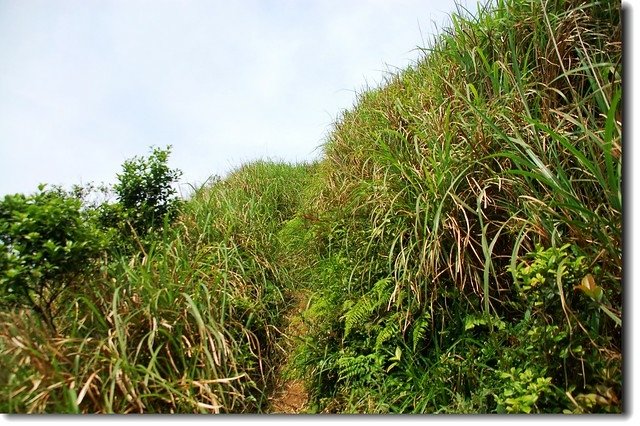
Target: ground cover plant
<point>457,249</point>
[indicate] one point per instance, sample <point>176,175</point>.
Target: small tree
<point>145,191</point>
<point>48,244</point>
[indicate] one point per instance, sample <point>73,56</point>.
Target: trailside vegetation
<point>460,243</point>
<point>187,324</point>
<point>471,218</point>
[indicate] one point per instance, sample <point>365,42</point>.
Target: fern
<point>359,369</point>
<point>358,314</point>
<point>382,288</point>
<point>420,329</point>
<point>390,329</point>
<point>489,321</point>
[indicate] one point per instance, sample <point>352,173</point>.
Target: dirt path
<point>289,396</point>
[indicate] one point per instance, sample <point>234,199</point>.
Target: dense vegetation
<point>460,239</point>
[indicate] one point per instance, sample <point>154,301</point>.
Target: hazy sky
<point>86,84</point>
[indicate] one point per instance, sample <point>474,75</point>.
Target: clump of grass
<point>461,240</point>
<point>500,150</point>
<point>187,326</point>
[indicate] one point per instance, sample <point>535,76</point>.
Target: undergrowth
<point>187,326</point>
<point>470,214</point>
<point>460,241</point>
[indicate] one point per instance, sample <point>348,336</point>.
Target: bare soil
<point>289,395</point>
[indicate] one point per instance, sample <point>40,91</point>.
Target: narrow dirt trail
<point>289,395</point>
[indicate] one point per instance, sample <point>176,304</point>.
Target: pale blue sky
<point>86,84</point>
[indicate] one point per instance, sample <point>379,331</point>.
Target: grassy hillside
<point>187,326</point>
<point>460,241</point>
<point>470,213</point>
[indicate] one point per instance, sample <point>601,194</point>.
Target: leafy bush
<point>521,391</point>
<point>145,193</point>
<point>48,244</point>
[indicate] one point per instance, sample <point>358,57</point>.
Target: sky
<point>87,84</point>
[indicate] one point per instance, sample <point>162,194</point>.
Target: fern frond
<point>359,369</point>
<point>420,328</point>
<point>358,314</point>
<point>390,329</point>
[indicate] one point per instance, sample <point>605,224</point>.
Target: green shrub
<point>48,245</point>
<point>145,193</point>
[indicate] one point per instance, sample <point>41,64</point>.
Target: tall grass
<point>473,198</point>
<point>460,241</point>
<point>188,326</point>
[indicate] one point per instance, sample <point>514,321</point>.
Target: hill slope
<point>470,219</point>
<point>458,246</point>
